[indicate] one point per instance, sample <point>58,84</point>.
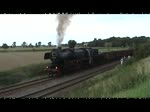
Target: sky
<point>33,28</point>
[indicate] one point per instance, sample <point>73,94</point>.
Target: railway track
<point>9,89</point>
<point>50,91</point>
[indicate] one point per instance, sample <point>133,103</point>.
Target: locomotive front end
<point>53,70</point>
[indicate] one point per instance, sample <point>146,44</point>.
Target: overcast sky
<point>33,28</point>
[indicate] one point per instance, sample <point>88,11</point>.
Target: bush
<point>22,73</point>
<point>5,46</point>
<point>142,51</point>
<point>129,61</point>
<point>72,43</point>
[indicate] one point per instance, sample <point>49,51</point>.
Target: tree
<point>30,45</point>
<point>95,39</point>
<point>5,46</point>
<point>108,45</point>
<point>14,44</point>
<point>142,50</point>
<point>72,43</point>
<point>95,42</point>
<point>24,44</point>
<point>36,45</point>
<point>49,44</point>
<point>39,44</point>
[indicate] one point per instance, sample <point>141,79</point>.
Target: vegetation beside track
<point>19,74</point>
<point>129,80</point>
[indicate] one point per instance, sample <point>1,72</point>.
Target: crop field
<point>10,60</point>
<point>18,49</point>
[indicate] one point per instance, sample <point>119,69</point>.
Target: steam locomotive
<point>70,59</point>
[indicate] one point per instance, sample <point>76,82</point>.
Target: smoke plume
<point>63,23</point>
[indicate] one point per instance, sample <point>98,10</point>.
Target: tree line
<point>119,41</point>
<point>141,44</point>
<point>110,42</point>
<point>25,45</point>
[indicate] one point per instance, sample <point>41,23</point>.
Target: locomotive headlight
<point>56,67</point>
<point>47,67</point>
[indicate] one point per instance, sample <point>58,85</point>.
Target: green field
<point>123,81</point>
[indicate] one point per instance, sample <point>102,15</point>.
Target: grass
<point>113,83</point>
<point>19,74</point>
<point>104,49</point>
<point>142,90</point>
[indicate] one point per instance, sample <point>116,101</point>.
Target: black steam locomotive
<point>67,60</point>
